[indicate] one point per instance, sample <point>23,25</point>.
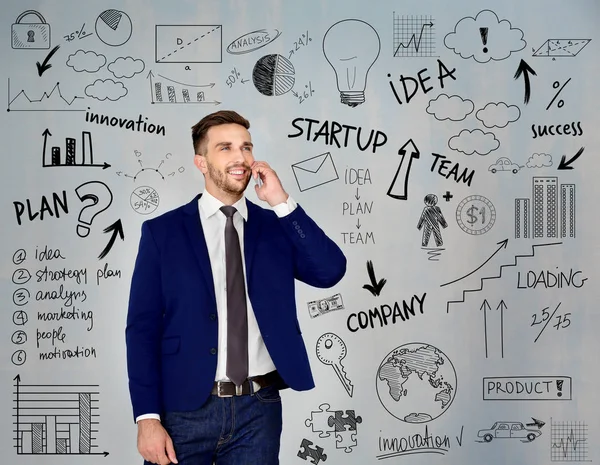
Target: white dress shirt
<point>213,225</point>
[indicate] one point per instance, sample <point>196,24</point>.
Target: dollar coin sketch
<point>475,215</point>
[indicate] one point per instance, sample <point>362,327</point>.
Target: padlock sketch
<point>30,35</point>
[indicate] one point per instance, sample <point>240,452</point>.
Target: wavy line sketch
<point>184,43</point>
<point>484,38</point>
<point>553,48</point>
<point>113,27</point>
<point>475,141</point>
<point>106,89</point>
<point>351,63</point>
<point>498,115</point>
<point>49,101</point>
<point>90,62</point>
<point>569,442</point>
<point>454,107</point>
<point>126,67</point>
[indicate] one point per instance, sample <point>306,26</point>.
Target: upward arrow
<point>399,187</point>
<point>18,380</point>
<point>46,133</point>
<point>525,69</point>
<point>117,230</point>
<point>502,245</point>
<point>485,306</point>
<point>150,76</point>
<point>501,306</point>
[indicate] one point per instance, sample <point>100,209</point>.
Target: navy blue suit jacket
<point>171,330</point>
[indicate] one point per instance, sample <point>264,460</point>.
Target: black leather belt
<point>248,387</point>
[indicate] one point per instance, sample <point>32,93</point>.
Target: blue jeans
<point>242,430</point>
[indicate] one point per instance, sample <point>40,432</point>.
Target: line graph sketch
<point>569,442</point>
<point>413,36</point>
<point>55,419</point>
<point>52,100</point>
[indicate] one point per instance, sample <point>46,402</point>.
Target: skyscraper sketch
<point>567,210</point>
<point>545,206</point>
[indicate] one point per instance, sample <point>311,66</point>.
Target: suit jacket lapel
<point>195,233</point>
<point>252,230</point>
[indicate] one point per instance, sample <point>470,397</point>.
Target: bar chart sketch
<point>413,36</point>
<point>569,442</point>
<point>71,157</point>
<point>168,91</point>
<point>55,419</point>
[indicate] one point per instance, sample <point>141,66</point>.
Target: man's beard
<point>221,181</point>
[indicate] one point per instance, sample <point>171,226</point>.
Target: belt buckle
<point>219,393</point>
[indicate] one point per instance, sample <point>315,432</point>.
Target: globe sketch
<point>416,382</point>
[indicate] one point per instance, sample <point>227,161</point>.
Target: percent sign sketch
<point>561,102</point>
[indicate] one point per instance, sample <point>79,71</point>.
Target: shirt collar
<point>211,205</point>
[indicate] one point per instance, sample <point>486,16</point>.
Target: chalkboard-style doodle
<point>331,350</point>
<point>126,67</point>
<point>273,75</point>
<point>351,60</point>
<point>98,197</point>
<point>315,453</point>
<point>413,36</point>
<point>113,27</point>
<point>319,421</point>
<point>59,419</point>
<point>475,141</point>
<point>484,38</point>
<point>431,220</point>
<point>510,430</point>
<point>399,187</point>
<point>106,89</point>
<point>561,102</point>
<point>560,321</point>
<point>52,100</point>
<point>45,65</point>
<point>527,388</point>
<point>72,157</point>
<point>498,115</point>
<point>454,107</point>
<point>90,62</point>
<point>475,215</point>
<point>539,160</point>
<point>486,308</point>
<point>165,90</point>
<point>524,69</point>
<point>375,286</point>
<point>322,306</point>
<point>566,165</point>
<point>117,230</point>
<point>550,212</point>
<point>569,442</point>
<point>80,33</point>
<point>32,34</point>
<point>144,200</point>
<point>416,383</point>
<point>503,164</point>
<point>252,41</point>
<point>553,48</point>
<point>198,43</point>
<point>300,43</point>
<point>315,171</point>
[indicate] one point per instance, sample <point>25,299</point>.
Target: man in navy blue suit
<point>179,338</point>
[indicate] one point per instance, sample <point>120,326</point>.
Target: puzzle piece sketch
<point>339,421</point>
<point>345,439</point>
<point>316,454</point>
<point>319,420</point>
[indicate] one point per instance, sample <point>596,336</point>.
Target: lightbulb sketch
<point>351,46</point>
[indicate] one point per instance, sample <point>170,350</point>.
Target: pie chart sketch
<point>113,27</point>
<point>273,75</point>
<point>144,200</point>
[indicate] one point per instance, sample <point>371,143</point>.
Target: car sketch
<point>504,164</point>
<point>508,429</point>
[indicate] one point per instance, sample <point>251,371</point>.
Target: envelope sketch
<point>188,43</point>
<point>315,171</point>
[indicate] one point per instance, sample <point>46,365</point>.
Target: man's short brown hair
<point>200,129</point>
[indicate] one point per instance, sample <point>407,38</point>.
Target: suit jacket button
<point>213,351</point>
<point>213,316</point>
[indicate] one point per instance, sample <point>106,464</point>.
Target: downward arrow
<point>358,223</point>
<point>44,66</point>
<point>376,286</point>
<point>566,165</point>
<point>117,229</point>
<point>357,197</point>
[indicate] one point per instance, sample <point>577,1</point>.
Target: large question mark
<point>101,198</point>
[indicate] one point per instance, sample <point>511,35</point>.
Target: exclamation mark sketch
<point>483,31</point>
<point>559,387</point>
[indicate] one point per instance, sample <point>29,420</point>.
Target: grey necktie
<point>237,315</point>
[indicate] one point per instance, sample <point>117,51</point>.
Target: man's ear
<point>200,162</point>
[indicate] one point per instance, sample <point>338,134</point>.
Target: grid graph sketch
<point>413,36</point>
<point>569,442</point>
<point>55,419</point>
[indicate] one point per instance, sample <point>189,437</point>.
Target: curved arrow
<point>502,244</point>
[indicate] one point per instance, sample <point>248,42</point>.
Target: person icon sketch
<point>431,220</point>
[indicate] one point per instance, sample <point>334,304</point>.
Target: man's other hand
<point>154,443</point>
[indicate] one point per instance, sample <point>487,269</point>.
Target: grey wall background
<point>521,327</point>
